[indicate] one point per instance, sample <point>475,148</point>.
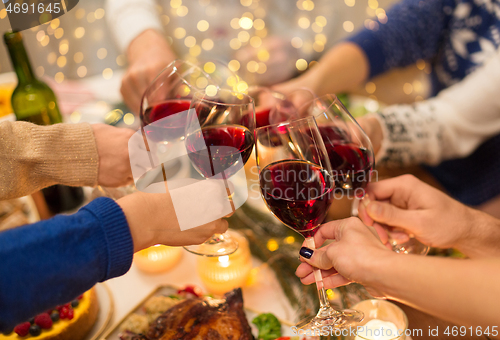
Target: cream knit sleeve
<point>451,125</point>
<point>34,157</point>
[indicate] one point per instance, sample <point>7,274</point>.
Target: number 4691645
<point>32,8</point>
<point>464,331</point>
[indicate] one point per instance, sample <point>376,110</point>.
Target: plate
<point>113,333</point>
<point>106,308</point>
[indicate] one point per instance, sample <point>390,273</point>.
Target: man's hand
<point>112,149</point>
<point>147,55</point>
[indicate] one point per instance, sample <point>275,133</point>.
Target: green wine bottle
<point>34,101</point>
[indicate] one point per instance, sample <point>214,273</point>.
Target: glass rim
<point>199,93</point>
<point>313,118</point>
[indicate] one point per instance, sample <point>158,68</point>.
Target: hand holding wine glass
<point>296,184</point>
<point>353,256</point>
<point>219,141</point>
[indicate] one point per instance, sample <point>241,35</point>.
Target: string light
<point>255,42</point>
<point>407,88</point>
<point>61,61</point>
<point>79,32</point>
<point>80,13</point>
<point>301,64</point>
<point>58,33</point>
<point>102,53</point>
<point>59,77</point>
<point>51,58</point>
<point>81,71</point>
<point>78,57</point>
<point>304,22</point>
<point>107,73</point>
<point>348,26</point>
<point>190,41</point>
<point>250,30</point>
<point>120,60</point>
<point>179,33</point>
<point>207,44</point>
<point>234,65</point>
<point>99,13</point>
<point>245,23</point>
<point>370,87</point>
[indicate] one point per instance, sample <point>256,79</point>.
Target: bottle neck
<point>20,60</point>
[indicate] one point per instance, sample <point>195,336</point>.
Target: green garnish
<point>268,325</point>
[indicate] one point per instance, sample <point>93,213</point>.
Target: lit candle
<point>377,330</point>
<point>158,258</point>
<point>383,321</point>
<point>224,273</point>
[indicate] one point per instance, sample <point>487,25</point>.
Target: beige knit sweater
<point>33,157</point>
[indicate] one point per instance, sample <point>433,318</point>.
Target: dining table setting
<point>256,170</point>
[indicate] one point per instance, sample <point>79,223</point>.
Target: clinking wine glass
<point>351,156</point>
<point>219,141</point>
<point>297,185</point>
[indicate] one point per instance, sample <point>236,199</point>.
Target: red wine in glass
<point>172,128</point>
<point>225,146</point>
<point>351,165</point>
<point>298,193</point>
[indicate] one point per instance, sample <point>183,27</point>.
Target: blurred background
<point>80,59</point>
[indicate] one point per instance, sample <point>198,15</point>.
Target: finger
<point>398,189</point>
<point>332,281</point>
<point>391,215</point>
<point>320,257</point>
<point>362,213</point>
<point>329,231</point>
<point>399,237</point>
<point>131,96</point>
<point>304,270</point>
<point>309,278</point>
<point>382,233</point>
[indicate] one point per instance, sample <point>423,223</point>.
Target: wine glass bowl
<point>271,107</point>
<point>219,141</point>
<point>351,156</point>
<point>166,101</point>
<point>296,184</point>
<point>349,148</point>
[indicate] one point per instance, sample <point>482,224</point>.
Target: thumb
<point>388,214</point>
<point>317,258</point>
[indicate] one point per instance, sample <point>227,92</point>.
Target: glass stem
<point>326,309</point>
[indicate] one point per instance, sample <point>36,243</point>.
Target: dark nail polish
<point>306,252</point>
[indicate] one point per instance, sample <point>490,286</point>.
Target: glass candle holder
<point>383,321</point>
<point>224,273</point>
<point>158,258</point>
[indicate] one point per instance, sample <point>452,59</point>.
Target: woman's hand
<point>433,217</point>
<point>147,55</point>
<point>112,149</point>
<point>152,220</point>
<point>353,257</point>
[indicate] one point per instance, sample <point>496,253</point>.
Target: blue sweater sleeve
<point>51,262</point>
<point>414,30</point>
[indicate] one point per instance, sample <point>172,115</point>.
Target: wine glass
<point>296,184</point>
<point>163,115</point>
<point>219,141</point>
<point>351,157</point>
